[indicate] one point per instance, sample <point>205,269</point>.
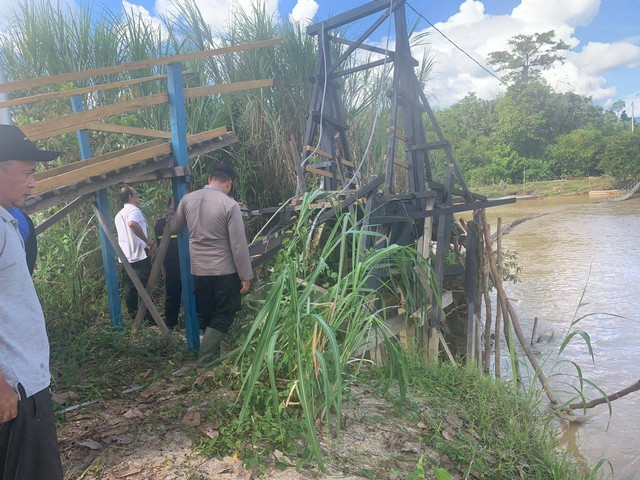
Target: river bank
<point>569,186</point>
<point>455,423</point>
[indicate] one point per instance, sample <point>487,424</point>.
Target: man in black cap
<point>28,443</point>
<point>220,261</point>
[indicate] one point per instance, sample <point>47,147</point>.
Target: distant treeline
<point>535,133</point>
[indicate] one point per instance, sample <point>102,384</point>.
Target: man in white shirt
<point>134,242</point>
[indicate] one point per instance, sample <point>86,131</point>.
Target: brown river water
<point>582,259</point>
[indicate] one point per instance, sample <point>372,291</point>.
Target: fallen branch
<point>609,398</point>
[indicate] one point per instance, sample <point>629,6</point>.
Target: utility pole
<point>633,119</point>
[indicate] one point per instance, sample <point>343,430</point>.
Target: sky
<point>603,62</point>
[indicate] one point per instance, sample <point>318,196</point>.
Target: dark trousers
<point>143,269</point>
<point>217,300</point>
<point>173,289</point>
<point>28,443</point>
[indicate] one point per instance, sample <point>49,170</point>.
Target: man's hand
<point>245,287</point>
<point>8,402</point>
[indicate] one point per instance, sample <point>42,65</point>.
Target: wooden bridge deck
<point>151,160</point>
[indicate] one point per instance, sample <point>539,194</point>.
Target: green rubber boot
<point>210,347</point>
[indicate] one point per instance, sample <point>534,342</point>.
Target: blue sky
<point>604,61</point>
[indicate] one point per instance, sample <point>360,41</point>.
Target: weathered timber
<point>152,62</point>
<point>63,212</point>
<point>127,130</point>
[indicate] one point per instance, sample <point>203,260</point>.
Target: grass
<point>484,428</point>
<point>571,186</point>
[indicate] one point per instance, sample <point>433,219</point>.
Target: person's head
<point>129,195</point>
<point>223,176</point>
<point>18,159</point>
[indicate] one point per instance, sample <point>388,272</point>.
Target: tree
<point>621,158</point>
<point>577,153</point>
<point>618,106</point>
<point>528,55</point>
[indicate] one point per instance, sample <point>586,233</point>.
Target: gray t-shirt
<point>24,347</point>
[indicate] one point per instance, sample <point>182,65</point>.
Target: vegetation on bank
<point>566,186</point>
<point>302,359</point>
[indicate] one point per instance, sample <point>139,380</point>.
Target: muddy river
<point>582,260</point>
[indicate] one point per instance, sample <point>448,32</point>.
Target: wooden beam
<point>134,278</point>
<point>317,171</point>
<point>156,268</point>
<point>317,151</point>
<point>69,77</point>
<point>67,194</point>
<point>90,168</point>
<point>79,91</point>
<point>63,212</point>
<point>227,88</point>
<point>73,121</point>
<point>164,174</point>
<point>100,158</point>
<point>84,172</point>
<point>127,130</point>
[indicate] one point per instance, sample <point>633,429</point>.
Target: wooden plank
<point>317,151</point>
<point>207,135</point>
<point>162,175</point>
<point>127,130</point>
<point>84,172</point>
<point>79,91</point>
<point>227,88</point>
<point>156,268</point>
<point>62,195</point>
<point>63,212</point>
<point>100,158</point>
<point>317,171</point>
<point>70,77</point>
<point>72,122</point>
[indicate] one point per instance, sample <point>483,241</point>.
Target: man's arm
<point>137,230</point>
<point>239,248</point>
<point>8,401</point>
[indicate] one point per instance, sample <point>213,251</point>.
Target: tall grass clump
<point>322,306</point>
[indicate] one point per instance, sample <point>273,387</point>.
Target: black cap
<point>14,145</point>
<point>226,169</point>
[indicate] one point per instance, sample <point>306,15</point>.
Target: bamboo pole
<point>504,300</point>
<point>496,363</point>
<point>487,303</point>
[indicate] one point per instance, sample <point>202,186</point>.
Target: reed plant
<point>322,307</point>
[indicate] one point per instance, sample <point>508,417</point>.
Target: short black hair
<point>126,193</point>
<point>223,172</point>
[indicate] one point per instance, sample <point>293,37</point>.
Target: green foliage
<point>487,430</point>
<point>577,153</point>
<point>305,341</point>
<point>621,157</point>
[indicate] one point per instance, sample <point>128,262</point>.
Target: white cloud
<point>216,13</point>
<point>479,33</point>
<point>304,11</point>
<point>138,11</point>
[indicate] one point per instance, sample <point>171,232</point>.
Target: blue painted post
<point>108,254</point>
<point>181,158</point>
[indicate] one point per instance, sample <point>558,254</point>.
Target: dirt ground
<point>153,432</point>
